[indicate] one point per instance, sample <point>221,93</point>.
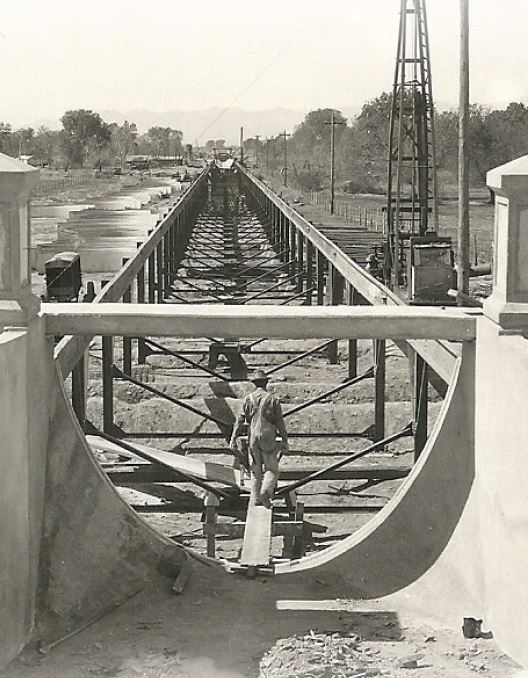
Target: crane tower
<point>412,192</point>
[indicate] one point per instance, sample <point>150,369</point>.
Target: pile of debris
<point>323,655</point>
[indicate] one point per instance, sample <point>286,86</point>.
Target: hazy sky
<point>169,54</point>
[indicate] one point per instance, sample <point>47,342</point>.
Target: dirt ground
<point>481,213</point>
<point>225,626</point>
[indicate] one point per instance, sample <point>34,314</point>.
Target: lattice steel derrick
<point>412,195</point>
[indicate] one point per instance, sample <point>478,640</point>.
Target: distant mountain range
<point>218,123</point>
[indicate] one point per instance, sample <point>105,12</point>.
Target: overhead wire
<point>257,77</point>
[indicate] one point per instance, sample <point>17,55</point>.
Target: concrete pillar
<point>16,181</point>
<point>508,304</point>
<point>25,366</point>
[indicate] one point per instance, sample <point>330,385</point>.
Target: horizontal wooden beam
<point>274,322</point>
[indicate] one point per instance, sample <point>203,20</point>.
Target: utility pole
<point>463,264</point>
<point>267,156</point>
<point>285,137</point>
<point>257,148</point>
<point>332,124</point>
<point>241,145</point>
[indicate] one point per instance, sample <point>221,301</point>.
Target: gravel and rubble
<point>346,655</point>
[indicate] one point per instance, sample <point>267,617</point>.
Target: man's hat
<point>258,375</point>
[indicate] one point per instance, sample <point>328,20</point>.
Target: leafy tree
<point>47,146</point>
<point>164,141</point>
<point>25,140</point>
<point>6,138</point>
<point>123,139</point>
<point>309,146</point>
<point>84,135</point>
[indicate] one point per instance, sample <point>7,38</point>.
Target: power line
<point>266,68</point>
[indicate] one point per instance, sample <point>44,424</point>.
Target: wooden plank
<point>204,470</point>
<point>257,537</point>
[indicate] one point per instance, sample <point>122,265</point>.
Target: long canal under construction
<point>150,374</point>
<point>341,400</point>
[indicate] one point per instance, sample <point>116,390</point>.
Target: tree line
<point>87,141</point>
<point>362,146</point>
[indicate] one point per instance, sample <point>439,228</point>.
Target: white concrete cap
<point>16,177</point>
<point>510,177</point>
<point>508,303</point>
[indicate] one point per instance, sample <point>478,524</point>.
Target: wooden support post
<point>279,240</point>
<point>335,284</point>
<point>288,540</point>
<point>151,270</point>
<point>309,271</point>
<point>211,512</point>
<point>274,226</point>
<point>167,264</point>
<point>321,263</point>
<point>292,249</point>
<point>300,262</point>
<point>159,273</point>
<point>108,385</point>
<point>140,297</point>
<point>79,390</point>
<point>351,299</point>
<point>420,404</point>
<point>379,403</point>
<point>179,243</point>
<point>127,341</point>
<point>298,542</point>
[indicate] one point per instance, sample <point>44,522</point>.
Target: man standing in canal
<point>262,412</point>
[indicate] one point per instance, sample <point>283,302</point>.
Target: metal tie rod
<point>220,422</point>
<point>168,351</point>
<point>296,359</point>
<point>407,431</point>
<point>350,382</point>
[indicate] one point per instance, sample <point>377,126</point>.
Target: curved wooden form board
<point>96,551</point>
<point>408,535</point>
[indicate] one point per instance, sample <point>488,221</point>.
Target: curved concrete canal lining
<point>96,551</point>
<point>103,231</point>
